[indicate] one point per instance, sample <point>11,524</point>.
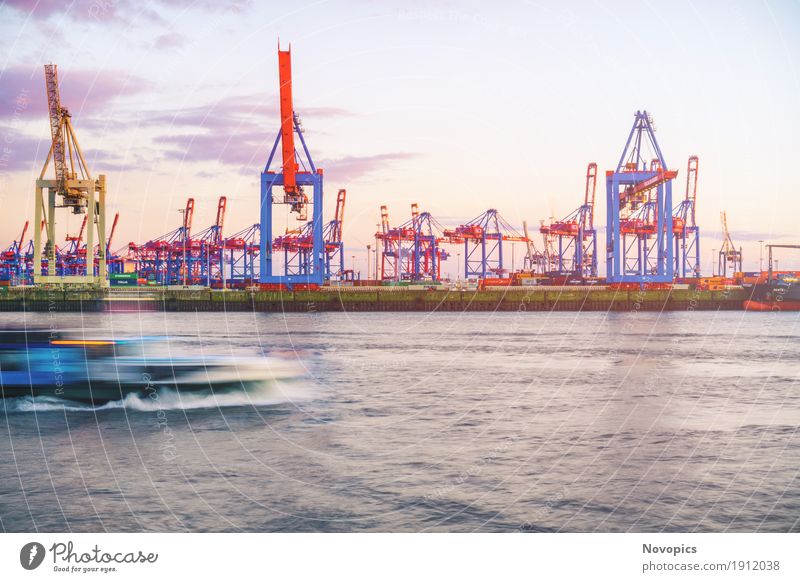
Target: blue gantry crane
<point>483,238</point>
<point>241,249</point>
<point>639,231</point>
<point>412,251</point>
<point>167,259</point>
<point>206,245</point>
<point>297,173</point>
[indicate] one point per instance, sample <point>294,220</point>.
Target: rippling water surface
<point>418,422</point>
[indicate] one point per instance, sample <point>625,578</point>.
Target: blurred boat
<point>42,362</point>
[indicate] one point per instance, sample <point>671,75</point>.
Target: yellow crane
<point>728,254</point>
<point>73,188</point>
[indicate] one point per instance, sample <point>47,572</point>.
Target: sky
<point>458,106</point>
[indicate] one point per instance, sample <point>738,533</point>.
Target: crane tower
<point>72,188</point>
<point>639,231</point>
<point>296,173</point>
<point>729,255</point>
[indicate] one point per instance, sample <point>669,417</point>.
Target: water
<point>418,422</point>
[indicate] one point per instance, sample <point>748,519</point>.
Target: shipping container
<point>124,283</point>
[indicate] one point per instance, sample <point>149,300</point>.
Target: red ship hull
<point>753,305</point>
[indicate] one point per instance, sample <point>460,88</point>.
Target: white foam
<point>165,398</point>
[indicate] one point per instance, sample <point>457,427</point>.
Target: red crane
<point>337,223</point>
<point>22,236</point>
<point>221,207</point>
<point>293,194</point>
<point>287,121</point>
<point>111,233</point>
<point>188,214</point>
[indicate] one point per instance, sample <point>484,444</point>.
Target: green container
<point>123,276</point>
<point>123,282</point>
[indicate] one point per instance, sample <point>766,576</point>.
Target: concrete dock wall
<point>354,300</point>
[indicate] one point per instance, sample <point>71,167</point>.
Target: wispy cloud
<point>350,168</point>
<point>20,152</point>
<point>169,40</point>
<point>87,94</point>
<point>747,235</point>
<point>105,11</point>
<point>230,114</point>
<point>243,150</point>
<point>229,131</point>
<point>23,94</point>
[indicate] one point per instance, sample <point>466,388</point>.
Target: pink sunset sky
<point>459,106</point>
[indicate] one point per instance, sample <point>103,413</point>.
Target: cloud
<point>350,168</point>
<point>19,151</point>
<point>83,10</point>
<point>223,131</point>
<point>248,150</point>
<point>169,40</point>
<point>747,235</point>
<point>104,11</point>
<point>244,150</point>
<point>23,99</point>
<point>230,114</point>
<point>23,94</point>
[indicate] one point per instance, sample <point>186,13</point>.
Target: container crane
<point>412,251</point>
<point>297,172</point>
<point>116,263</point>
<point>639,230</point>
<point>12,265</point>
<point>390,248</point>
<point>426,254</point>
<point>74,254</point>
<point>206,248</point>
<point>165,259</point>
<point>241,253</point>
<point>297,245</point>
<point>483,238</point>
<point>728,255</point>
<point>534,260</point>
<point>684,227</point>
<point>334,247</point>
<point>571,243</point>
<point>71,187</point>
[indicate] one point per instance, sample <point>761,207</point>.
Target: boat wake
<point>263,393</point>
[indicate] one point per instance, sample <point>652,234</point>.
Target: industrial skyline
<point>410,109</point>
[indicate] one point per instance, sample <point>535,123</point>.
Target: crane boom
<point>287,121</point>
<point>188,213</point>
<point>691,185</point>
<point>384,219</point>
<point>591,186</point>
<point>22,236</point>
<point>83,227</point>
<point>113,230</point>
<point>57,113</point>
<point>339,216</point>
<point>221,206</point>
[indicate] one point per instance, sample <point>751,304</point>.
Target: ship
<point>781,294</point>
<point>68,366</point>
